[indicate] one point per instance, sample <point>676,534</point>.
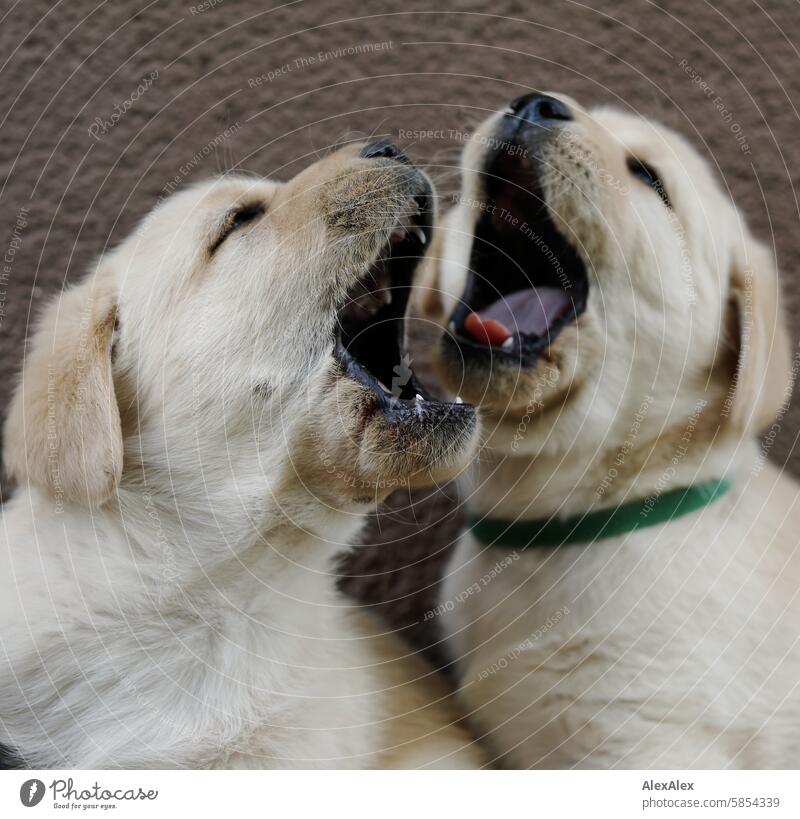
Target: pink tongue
<point>532,311</point>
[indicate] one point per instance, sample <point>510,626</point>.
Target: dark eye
<point>646,173</point>
<point>235,219</point>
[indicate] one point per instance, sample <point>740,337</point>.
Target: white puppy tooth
<point>421,235</point>
<point>420,398</point>
<point>459,399</point>
<point>508,344</point>
<point>452,327</point>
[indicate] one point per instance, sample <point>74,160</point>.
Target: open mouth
<point>370,330</point>
<point>526,282</point>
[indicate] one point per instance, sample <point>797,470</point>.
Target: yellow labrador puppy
<point>200,427</point>
<point>626,595</point>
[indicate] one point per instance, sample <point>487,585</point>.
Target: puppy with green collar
<point>602,301</point>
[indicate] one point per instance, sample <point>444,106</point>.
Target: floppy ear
<point>63,430</point>
<point>760,386</point>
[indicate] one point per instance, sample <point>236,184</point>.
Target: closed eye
<point>235,218</point>
<point>647,174</point>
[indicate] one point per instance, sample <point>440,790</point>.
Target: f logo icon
<point>31,792</point>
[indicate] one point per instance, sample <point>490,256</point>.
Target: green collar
<point>591,526</point>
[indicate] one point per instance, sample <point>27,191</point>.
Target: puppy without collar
<point>200,427</point>
<point>604,304</point>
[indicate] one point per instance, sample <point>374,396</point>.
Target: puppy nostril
<point>520,102</point>
<point>540,107</point>
<point>550,108</point>
<point>380,149</point>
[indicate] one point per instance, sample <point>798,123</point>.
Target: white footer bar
<point>401,795</point>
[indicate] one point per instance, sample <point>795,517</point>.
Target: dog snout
<point>383,150</point>
<point>525,127</point>
<point>540,109</point>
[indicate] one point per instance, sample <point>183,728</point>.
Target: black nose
<point>539,108</point>
<point>379,149</point>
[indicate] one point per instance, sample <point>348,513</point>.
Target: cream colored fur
<point>191,463</point>
<point>675,646</point>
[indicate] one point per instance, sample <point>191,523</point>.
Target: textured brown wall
<point>66,64</point>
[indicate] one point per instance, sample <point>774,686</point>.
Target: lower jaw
<point>475,356</point>
<point>411,443</point>
<point>503,386</point>
<point>483,363</point>
<point>421,417</point>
